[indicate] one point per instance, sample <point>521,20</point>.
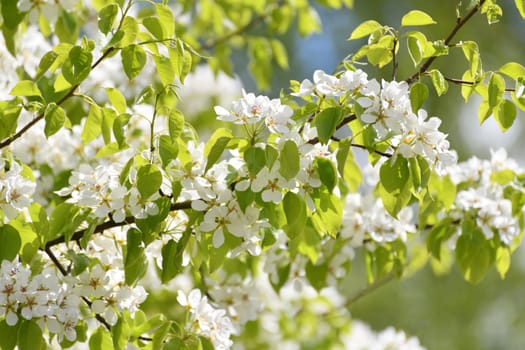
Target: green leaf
<point>496,89</point>
<point>108,119</point>
<point>415,50</point>
<point>10,242</point>
<point>316,274</point>
<point>101,340</point>
<point>77,66</point>
<point>418,96</point>
<point>471,52</point>
<point>255,159</point>
<point>474,253</point>
<point>503,261</point>
<point>520,5</point>
<point>25,88</point>
<point>327,172</point>
<point>8,335</point>
<point>133,60</point>
<point>154,26</point>
<point>329,213</point>
<point>117,99</point>
<point>279,53</point>
<point>416,18</point>
<point>164,69</point>
<point>135,263</point>
<point>106,17</point>
<point>394,175</point>
<point>439,233</point>
<point>45,63</point>
<point>130,27</point>
<point>347,166</point>
<point>295,211</point>
<point>440,84</point>
<point>364,29</point>
<point>55,117</point>
<point>92,127</point>
<point>175,123</point>
<point>61,221</point>
<point>166,20</point>
<point>172,258</point>
<point>168,149</point>
<point>216,145</point>
<point>119,130</point>
<point>289,160</point>
<point>149,180</point>
<point>326,123</point>
<point>121,333</point>
<point>29,336</point>
<point>505,114</point>
<point>513,70</point>
<point>308,21</point>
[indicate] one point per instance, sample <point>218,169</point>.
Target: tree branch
<point>460,23</point>
<point>369,289</point>
<point>465,82</point>
<point>64,98</point>
<point>77,236</point>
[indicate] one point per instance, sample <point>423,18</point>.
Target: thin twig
<point>384,154</point>
<point>69,94</point>
<point>465,82</point>
<point>369,289</point>
<point>77,236</point>
<point>460,23</point>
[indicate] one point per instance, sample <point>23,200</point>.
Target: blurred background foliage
<point>444,311</point>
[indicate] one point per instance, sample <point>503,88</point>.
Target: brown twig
<point>77,236</point>
<point>459,24</point>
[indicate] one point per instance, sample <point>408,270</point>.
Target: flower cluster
<point>206,320</point>
<point>55,302</point>
<point>387,107</point>
<point>15,190</point>
<point>365,220</point>
<point>485,199</point>
<point>100,190</point>
<point>252,110</point>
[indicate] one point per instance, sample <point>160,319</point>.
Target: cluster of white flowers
<point>365,220</point>
<point>362,337</point>
<point>206,320</point>
<point>252,110</point>
<point>15,190</point>
<point>100,189</point>
<point>55,302</point>
<point>484,199</point>
<point>387,107</point>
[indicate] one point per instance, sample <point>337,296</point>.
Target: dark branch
<point>459,24</point>
<point>70,93</point>
<point>77,236</point>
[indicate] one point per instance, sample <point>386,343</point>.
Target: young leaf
<point>117,99</point>
<point>513,70</point>
<point>440,84</point>
<point>25,88</point>
<point>133,60</point>
<point>505,114</point>
<point>77,66</point>
<point>327,173</point>
<point>135,263</point>
<point>326,123</point>
<point>149,179</point>
<point>106,17</point>
<point>418,96</point>
<point>496,89</point>
<point>520,5</point>
<point>364,29</point>
<point>416,18</point>
<point>55,118</point>
<point>10,242</point>
<point>30,336</point>
<point>289,160</point>
<point>216,145</point>
<point>166,20</point>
